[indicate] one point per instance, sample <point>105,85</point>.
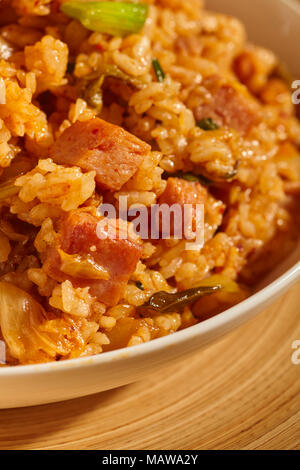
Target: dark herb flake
<point>208,124</point>
<point>192,177</point>
<point>163,302</point>
<point>115,18</point>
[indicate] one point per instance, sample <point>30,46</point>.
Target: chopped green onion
<point>215,179</point>
<point>189,177</point>
<point>82,267</point>
<point>140,285</point>
<point>208,124</point>
<point>115,18</point>
<point>230,174</point>
<point>160,74</point>
<point>204,180</point>
<point>91,89</point>
<point>7,229</point>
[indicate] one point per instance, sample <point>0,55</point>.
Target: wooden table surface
<point>242,392</point>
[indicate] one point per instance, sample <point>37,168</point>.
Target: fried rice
<point>54,74</point>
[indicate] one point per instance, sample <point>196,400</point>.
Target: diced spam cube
<point>97,145</point>
<point>78,234</point>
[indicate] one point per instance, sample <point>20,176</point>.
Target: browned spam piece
<point>112,152</point>
<point>118,256</point>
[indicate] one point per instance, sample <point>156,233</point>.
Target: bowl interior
<point>274,24</point>
<point>292,261</point>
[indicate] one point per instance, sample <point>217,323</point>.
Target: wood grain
<point>240,393</point>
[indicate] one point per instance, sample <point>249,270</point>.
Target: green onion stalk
<point>117,19</point>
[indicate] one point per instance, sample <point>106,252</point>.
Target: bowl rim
<point>280,284</point>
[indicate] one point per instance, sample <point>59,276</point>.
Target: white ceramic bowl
<point>271,23</point>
